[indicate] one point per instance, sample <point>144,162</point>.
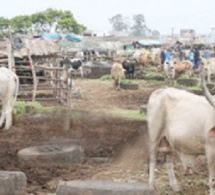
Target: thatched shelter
<point>38,48</point>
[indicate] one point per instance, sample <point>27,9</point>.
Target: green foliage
<point>125,113</point>
<point>4,23</point>
<point>67,22</point>
<point>36,107</point>
<point>40,21</point>
<point>154,74</point>
<point>150,69</point>
<point>52,16</point>
<point>21,24</point>
<point>127,82</point>
<point>106,77</point>
<point>196,88</point>
<point>186,76</point>
<point>43,21</point>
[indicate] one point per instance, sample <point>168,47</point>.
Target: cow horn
<point>205,89</point>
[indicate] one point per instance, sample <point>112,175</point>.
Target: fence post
<point>11,62</point>
<point>34,76</point>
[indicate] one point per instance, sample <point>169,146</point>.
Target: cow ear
<point>212,132</point>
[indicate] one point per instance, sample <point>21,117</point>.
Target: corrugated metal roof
<point>150,42</point>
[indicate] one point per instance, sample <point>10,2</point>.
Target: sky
<point>161,15</point>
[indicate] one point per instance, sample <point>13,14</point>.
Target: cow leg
<point>2,119</point>
<point>171,173</point>
<point>152,163</point>
<point>8,114</point>
<point>210,153</point>
<point>118,85</point>
<point>191,72</point>
<point>81,71</point>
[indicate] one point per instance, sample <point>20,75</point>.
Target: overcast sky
<point>159,14</point>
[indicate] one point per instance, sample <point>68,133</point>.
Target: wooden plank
<point>48,68</point>
<point>41,99</point>
<point>43,88</point>
<point>40,78</point>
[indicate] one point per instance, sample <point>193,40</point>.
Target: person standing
<point>206,53</point>
<point>162,56</point>
<point>168,55</point>
<point>196,59</point>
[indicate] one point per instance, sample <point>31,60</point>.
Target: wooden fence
<point>53,86</point>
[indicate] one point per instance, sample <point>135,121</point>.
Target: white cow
<point>169,70</point>
<point>187,122</point>
<point>75,65</point>
<point>9,86</point>
<point>210,68</point>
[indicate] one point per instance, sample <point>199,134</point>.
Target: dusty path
<point>130,165</point>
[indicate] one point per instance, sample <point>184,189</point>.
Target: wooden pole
<point>34,76</point>
<point>11,62</point>
<point>69,94</point>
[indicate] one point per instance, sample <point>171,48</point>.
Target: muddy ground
<point>123,141</point>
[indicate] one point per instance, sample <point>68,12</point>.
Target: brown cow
<point>144,59</point>
<point>184,66</point>
<point>117,73</point>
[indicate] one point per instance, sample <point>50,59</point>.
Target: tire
<point>51,155</point>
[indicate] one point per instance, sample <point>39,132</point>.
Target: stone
<point>13,183</point>
<point>102,188</point>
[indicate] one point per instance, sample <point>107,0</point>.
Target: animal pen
<point>35,55</point>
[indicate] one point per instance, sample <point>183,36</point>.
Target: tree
<point>4,23</point>
<point>119,23</point>
<point>21,24</point>
<point>52,17</point>
<point>155,33</point>
<point>139,27</point>
<point>40,22</point>
<point>68,23</point>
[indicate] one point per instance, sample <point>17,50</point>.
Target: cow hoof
<point>152,187</point>
<point>176,188</point>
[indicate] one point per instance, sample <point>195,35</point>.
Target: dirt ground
<point>123,141</point>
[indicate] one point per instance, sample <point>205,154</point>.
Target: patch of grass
<point>197,88</point>
<point>150,69</point>
<point>185,76</point>
<point>35,107</point>
<point>154,74</point>
<point>106,77</point>
<point>127,82</point>
<point>125,113</point>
